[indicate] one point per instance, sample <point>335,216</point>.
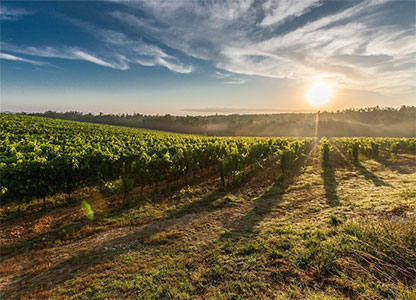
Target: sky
<point>190,57</point>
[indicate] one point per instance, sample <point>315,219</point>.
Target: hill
<point>369,122</point>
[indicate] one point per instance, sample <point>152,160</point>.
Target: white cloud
<point>174,66</point>
<point>230,78</point>
<point>351,47</point>
<point>279,11</point>
<point>236,81</point>
<point>65,53</point>
<point>145,54</point>
<point>118,44</point>
<point>16,58</point>
<point>88,57</point>
<point>221,75</point>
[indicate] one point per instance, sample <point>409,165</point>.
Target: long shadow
<point>42,240</point>
<point>338,159</point>
<point>104,252</point>
<point>264,205</point>
<point>244,227</point>
<point>71,267</point>
<point>402,167</point>
<point>45,239</point>
<point>364,171</point>
<point>370,175</point>
<point>330,184</point>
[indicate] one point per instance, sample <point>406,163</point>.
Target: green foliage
<point>290,154</point>
<point>372,147</point>
<point>325,149</point>
<point>41,157</point>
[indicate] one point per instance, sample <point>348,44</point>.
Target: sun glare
<point>319,94</point>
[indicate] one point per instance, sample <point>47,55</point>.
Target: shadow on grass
<point>403,167</point>
<point>154,195</point>
<point>330,184</point>
<point>264,205</point>
<point>77,227</point>
<point>107,251</point>
<point>371,176</point>
<point>104,252</point>
<point>363,170</point>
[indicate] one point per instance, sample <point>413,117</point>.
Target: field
<point>104,212</point>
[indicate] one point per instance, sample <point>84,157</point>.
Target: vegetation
<point>41,157</point>
<point>373,121</point>
<point>295,219</point>
<point>371,147</point>
<point>325,149</point>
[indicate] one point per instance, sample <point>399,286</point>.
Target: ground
<point>345,232</point>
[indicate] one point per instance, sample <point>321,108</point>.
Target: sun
<point>319,93</point>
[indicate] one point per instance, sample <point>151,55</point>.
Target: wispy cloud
<point>229,78</point>
<point>277,12</point>
<point>222,75</point>
<point>130,50</point>
<point>20,59</point>
<point>236,81</point>
<point>352,46</point>
<point>11,14</point>
<point>117,51</point>
<point>64,53</point>
<point>88,57</point>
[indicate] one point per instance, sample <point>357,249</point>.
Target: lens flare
<point>89,213</point>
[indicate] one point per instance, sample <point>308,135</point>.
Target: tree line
<point>371,122</point>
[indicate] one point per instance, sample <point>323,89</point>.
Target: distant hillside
<point>374,121</point>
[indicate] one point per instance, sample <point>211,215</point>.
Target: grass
<point>262,238</point>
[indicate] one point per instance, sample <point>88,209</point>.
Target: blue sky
<point>202,57</point>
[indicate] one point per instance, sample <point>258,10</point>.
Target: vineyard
<point>145,214</point>
<point>375,147</point>
<point>41,157</point>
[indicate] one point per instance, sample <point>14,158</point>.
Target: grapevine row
<point>41,157</point>
<point>373,147</point>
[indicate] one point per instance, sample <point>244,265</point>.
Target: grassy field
<point>345,232</point>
